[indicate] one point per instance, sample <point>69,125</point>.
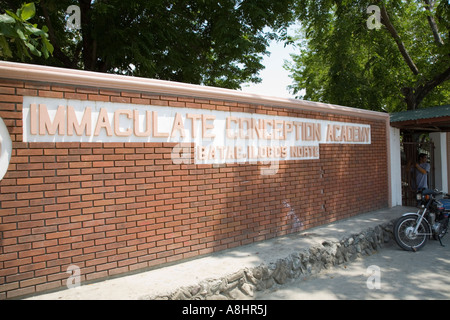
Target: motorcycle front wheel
<point>405,236</point>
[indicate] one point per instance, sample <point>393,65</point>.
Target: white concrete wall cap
<point>30,72</point>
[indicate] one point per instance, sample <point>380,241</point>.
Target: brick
<point>76,96</point>
<point>20,292</point>
<point>57,235</point>
<point>10,115</point>
<point>10,98</point>
<point>140,101</point>
<point>97,97</point>
<point>121,99</point>
<point>15,204</point>
<point>62,88</point>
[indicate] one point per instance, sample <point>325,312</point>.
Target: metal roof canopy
<point>433,119</point>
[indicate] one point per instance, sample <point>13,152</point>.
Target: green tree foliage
<point>402,65</point>
<point>216,43</point>
<point>19,38</point>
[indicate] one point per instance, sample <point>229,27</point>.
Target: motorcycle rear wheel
<point>404,233</point>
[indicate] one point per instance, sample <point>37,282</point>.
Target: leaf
<point>35,31</point>
<point>33,49</point>
<point>20,33</point>
<point>28,11</point>
<point>7,30</point>
<point>22,51</point>
<point>6,51</point>
<point>13,15</point>
<point>45,52</point>
<point>4,18</point>
<point>47,45</point>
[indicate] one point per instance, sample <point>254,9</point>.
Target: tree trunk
<point>410,99</point>
<point>89,47</point>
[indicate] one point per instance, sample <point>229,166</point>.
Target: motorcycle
<point>412,230</point>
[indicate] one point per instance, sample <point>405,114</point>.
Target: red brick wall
<point>112,208</point>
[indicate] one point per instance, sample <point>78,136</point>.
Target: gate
<point>409,153</point>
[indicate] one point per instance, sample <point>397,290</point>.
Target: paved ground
<point>403,275</point>
<point>216,266</point>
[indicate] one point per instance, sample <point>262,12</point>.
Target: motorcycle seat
<point>446,203</point>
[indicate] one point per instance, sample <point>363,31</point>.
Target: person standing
<point>423,168</point>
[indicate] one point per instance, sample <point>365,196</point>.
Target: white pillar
<point>5,149</point>
<point>440,160</point>
<point>396,167</point>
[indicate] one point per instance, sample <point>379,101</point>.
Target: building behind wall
<point>113,203</point>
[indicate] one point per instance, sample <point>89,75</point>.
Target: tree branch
<point>414,96</point>
<point>401,46</point>
<point>426,88</point>
<point>432,23</point>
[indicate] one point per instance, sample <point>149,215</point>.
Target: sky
<point>275,78</point>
